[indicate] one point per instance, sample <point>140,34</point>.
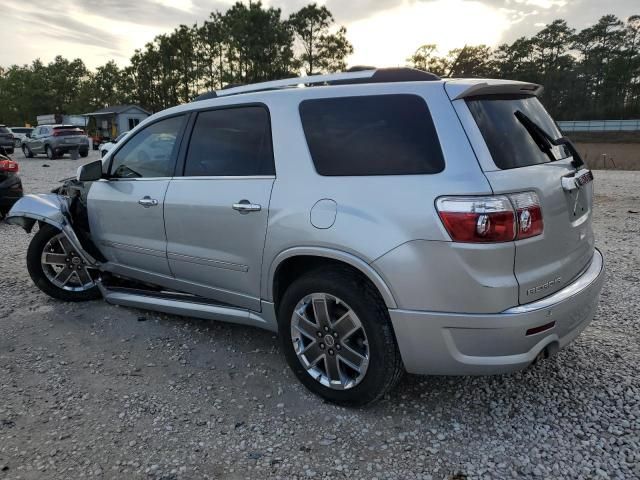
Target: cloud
<point>101,30</point>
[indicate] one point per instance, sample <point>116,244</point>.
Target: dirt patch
<point>611,156</point>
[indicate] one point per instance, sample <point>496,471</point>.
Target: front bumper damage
<point>52,209</point>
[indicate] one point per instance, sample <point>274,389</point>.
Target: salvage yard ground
<point>97,390</point>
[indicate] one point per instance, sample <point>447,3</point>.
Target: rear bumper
<point>67,148</point>
<point>436,343</point>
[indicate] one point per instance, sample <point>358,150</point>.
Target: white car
<point>19,134</point>
<point>105,147</point>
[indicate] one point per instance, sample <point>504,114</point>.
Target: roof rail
<point>355,76</point>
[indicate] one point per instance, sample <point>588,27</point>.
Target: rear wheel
<point>84,153</point>
<point>57,269</point>
<point>27,151</point>
<point>337,337</point>
<point>50,153</point>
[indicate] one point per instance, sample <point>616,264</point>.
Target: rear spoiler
<point>464,89</point>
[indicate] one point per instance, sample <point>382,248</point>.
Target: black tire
<point>27,151</point>
<point>34,266</point>
<point>84,153</point>
<point>9,151</point>
<point>385,366</point>
<point>51,155</point>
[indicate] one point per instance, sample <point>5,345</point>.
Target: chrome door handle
<point>245,206</point>
<point>147,202</point>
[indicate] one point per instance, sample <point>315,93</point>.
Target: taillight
<point>491,219</point>
<point>529,213</point>
<point>8,166</point>
<point>477,219</point>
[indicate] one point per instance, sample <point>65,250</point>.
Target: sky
<point>383,32</point>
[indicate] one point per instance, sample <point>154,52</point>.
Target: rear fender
<point>51,209</point>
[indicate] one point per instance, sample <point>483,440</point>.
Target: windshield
<point>21,130</point>
<point>509,142</point>
<point>4,130</point>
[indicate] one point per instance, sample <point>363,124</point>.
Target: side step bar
<point>190,307</point>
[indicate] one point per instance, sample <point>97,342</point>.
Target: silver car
<point>380,221</point>
<point>54,141</point>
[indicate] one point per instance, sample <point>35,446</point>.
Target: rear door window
<point>231,142</point>
<point>509,142</point>
<point>371,135</point>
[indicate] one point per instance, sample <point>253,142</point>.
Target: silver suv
<point>380,221</point>
<point>54,141</point>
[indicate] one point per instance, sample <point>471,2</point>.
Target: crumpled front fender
<point>47,208</point>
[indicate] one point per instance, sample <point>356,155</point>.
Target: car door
<point>126,209</point>
<point>36,144</point>
<point>216,212</point>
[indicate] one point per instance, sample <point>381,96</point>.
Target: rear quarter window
<point>371,135</point>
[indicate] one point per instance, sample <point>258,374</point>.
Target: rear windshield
<point>509,142</point>
<point>371,135</point>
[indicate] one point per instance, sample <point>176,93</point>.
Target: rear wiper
<point>546,143</point>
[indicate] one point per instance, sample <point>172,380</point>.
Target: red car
<point>10,184</point>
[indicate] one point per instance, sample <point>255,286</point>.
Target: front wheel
<point>27,151</point>
<point>337,337</point>
<point>57,269</point>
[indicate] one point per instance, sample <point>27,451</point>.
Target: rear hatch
<point>71,135</point>
<point>6,137</point>
<point>545,263</point>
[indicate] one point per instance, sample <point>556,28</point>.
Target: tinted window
<point>231,142</point>
<point>373,135</point>
<point>21,130</point>
<point>509,142</point>
<point>4,130</point>
<point>149,153</point>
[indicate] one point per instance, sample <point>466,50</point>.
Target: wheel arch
<point>291,263</point>
<point>51,209</point>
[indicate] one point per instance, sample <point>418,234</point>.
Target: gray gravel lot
<point>97,390</point>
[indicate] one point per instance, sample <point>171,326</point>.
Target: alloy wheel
<point>64,267</point>
<point>329,341</point>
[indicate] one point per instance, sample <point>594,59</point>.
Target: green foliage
<point>322,51</point>
<point>593,73</point>
<point>590,74</point>
<point>246,44</point>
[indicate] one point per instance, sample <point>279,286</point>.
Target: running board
<point>159,302</point>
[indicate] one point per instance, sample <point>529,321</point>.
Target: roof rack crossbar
<point>292,82</point>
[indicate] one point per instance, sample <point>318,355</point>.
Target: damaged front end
<point>64,210</point>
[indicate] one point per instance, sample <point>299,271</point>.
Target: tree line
<point>593,73</point>
<point>245,44</point>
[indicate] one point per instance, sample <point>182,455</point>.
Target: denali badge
<point>544,286</point>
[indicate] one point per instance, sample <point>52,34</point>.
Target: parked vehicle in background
<point>7,141</point>
<point>379,221</point>
<point>19,134</point>
<point>10,184</point>
<point>55,140</point>
<point>105,147</point>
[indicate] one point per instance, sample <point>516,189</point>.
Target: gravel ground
<point>97,390</point>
